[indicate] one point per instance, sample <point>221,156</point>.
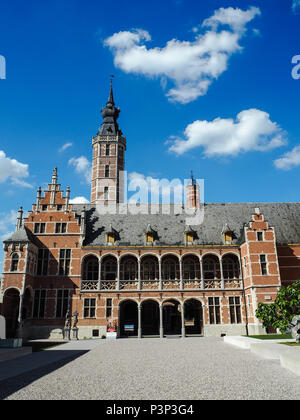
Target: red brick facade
<point>151,289</point>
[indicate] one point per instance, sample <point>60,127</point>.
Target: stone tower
<point>108,157</point>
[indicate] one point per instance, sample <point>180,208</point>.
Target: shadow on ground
<point>13,384</point>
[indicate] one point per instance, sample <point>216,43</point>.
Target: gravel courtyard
<point>155,369</point>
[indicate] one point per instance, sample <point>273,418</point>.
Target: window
<point>149,237</point>
<point>231,268</point>
<point>227,237</point>
<point>260,236</point>
<point>263,265</point>
<point>62,302</point>
<point>110,238</point>
<point>44,207</point>
<point>235,310</point>
<point>106,171</point>
<point>43,258</point>
<point>39,303</point>
<point>214,310</point>
<point>108,307</point>
<point>91,269</point>
<point>107,150</point>
<point>59,207</point>
<point>60,228</point>
<point>14,262</point>
<point>39,227</point>
<point>169,269</point>
<point>64,261</point>
<point>105,193</point>
<point>109,269</point>
<point>89,310</point>
<point>189,237</point>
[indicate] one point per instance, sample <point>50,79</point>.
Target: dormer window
<point>227,234</point>
<point>111,236</point>
<point>150,235</point>
<point>189,236</point>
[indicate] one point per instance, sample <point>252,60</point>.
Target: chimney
<point>193,194</point>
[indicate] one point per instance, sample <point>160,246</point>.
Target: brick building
<point>147,272</point>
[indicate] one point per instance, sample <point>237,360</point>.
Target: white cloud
<point>82,167</point>
<point>289,160</point>
<point>11,169</point>
<point>295,5</point>
<point>65,146</point>
<point>8,221</point>
<point>148,189</point>
<point>192,66</point>
<point>252,130</point>
<point>79,200</point>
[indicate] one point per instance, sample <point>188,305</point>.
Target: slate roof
<point>170,228</point>
<point>21,235</point>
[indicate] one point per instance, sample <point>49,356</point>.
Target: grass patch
<point>271,336</point>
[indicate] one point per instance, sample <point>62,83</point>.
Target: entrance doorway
<point>128,319</point>
<point>193,321</point>
<point>11,302</point>
<point>150,318</point>
<point>172,317</point>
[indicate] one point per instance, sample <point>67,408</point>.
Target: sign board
<point>129,327</point>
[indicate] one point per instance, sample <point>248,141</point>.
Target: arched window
<point>211,268</point>
<point>109,268</point>
<point>91,268</point>
<point>128,268</point>
<point>149,268</point>
<point>191,268</point>
<point>231,267</point>
<point>170,268</point>
<point>14,262</point>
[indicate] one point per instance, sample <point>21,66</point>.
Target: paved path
<point>155,369</point>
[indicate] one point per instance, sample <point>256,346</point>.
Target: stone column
<point>139,321</point>
<point>201,274</point>
<point>99,275</point>
<point>221,271</point>
<point>182,321</point>
<point>180,273</point>
<point>161,328</point>
<point>139,275</point>
<point>118,274</point>
<point>159,271</point>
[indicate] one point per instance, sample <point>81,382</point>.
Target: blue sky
<point>202,85</point>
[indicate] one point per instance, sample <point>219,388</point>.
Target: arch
<point>109,267</point>
<point>231,266</point>
<point>150,317</point>
<point>10,310</point>
<point>193,316</point>
<point>170,267</point>
<point>149,267</point>
<point>128,267</point>
<point>191,267</point>
<point>211,266</point>
<point>171,317</point>
<point>90,267</point>
<point>128,318</point>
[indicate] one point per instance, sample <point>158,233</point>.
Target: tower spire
<point>111,94</point>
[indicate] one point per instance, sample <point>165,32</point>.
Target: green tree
<point>280,313</point>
